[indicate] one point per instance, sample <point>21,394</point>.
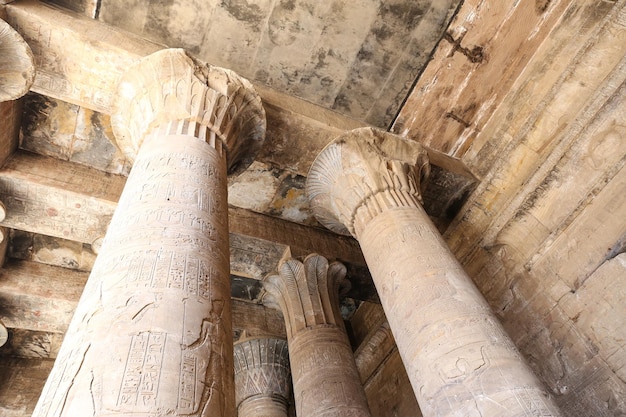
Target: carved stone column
<point>262,377</point>
<point>458,358</point>
<point>325,378</point>
<point>17,68</point>
<point>152,333</point>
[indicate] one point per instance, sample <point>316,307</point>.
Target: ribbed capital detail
<point>363,173</point>
<point>204,101</point>
<point>307,292</point>
<point>262,369</point>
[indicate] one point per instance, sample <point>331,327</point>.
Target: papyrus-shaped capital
<point>362,173</point>
<point>179,95</point>
<point>307,292</point>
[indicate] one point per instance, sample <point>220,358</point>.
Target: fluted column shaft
<point>459,359</point>
<point>325,378</point>
<point>152,333</point>
<point>262,377</point>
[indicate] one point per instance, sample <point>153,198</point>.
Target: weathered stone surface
<point>30,291</point>
<point>189,299</point>
<point>90,8</point>
<point>24,343</point>
<point>458,357</point>
<point>551,203</point>
<point>325,378</point>
<point>555,93</point>
<point>29,187</point>
<point>341,181</point>
<point>17,71</point>
<point>262,377</point>
<point>458,91</point>
<point>106,52</point>
<point>160,289</point>
<point>388,393</point>
<point>330,54</point>
<point>4,334</point>
<point>72,133</point>
<point>21,381</point>
<point>10,119</point>
<point>382,372</point>
<point>68,132</point>
<point>51,250</point>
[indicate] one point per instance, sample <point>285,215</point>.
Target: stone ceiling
<point>359,58</point>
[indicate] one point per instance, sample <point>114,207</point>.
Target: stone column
<point>458,358</point>
<point>325,378</point>
<point>152,334</point>
<point>262,377</point>
<point>17,69</point>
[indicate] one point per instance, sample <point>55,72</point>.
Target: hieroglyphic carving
<point>142,373</point>
<point>159,301</point>
<point>262,377</point>
<point>17,69</point>
<point>458,358</point>
<point>176,94</point>
<point>326,381</point>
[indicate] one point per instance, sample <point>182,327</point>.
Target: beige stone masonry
<point>17,69</point>
<point>262,377</point>
<point>325,378</point>
<point>458,358</point>
<point>152,332</point>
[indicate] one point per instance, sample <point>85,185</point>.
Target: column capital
<point>17,67</point>
<point>262,369</point>
<point>362,173</point>
<point>307,292</point>
<point>180,95</point>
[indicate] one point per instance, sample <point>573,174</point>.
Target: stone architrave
<point>17,67</point>
<point>262,377</point>
<point>151,335</point>
<point>459,359</point>
<point>325,378</point>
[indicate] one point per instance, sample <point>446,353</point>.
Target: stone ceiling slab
<point>359,58</point>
